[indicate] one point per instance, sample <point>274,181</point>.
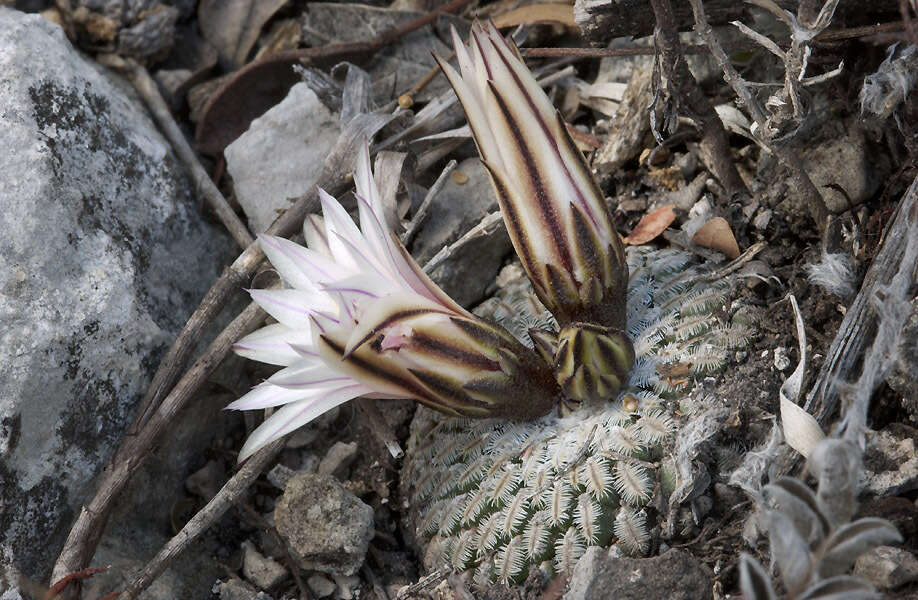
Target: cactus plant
<point>499,498</point>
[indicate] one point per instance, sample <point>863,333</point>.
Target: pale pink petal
<point>265,395</point>
<point>287,257</point>
<point>310,376</point>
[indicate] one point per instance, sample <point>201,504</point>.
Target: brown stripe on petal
<point>438,347</point>
<point>376,371</point>
<point>448,390</point>
<point>520,237</point>
<point>391,319</point>
<point>588,244</point>
<point>547,208</point>
<point>563,297</point>
<point>546,130</point>
<point>604,219</point>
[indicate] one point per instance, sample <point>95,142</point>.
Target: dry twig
<point>418,219</point>
<point>149,92</point>
<point>228,495</point>
<point>676,84</point>
<point>785,155</point>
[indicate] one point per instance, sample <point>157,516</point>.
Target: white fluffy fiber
<point>834,273</point>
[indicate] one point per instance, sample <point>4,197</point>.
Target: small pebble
<point>321,586</point>
<point>264,572</point>
<point>338,459</point>
<point>459,178</point>
<point>782,361</point>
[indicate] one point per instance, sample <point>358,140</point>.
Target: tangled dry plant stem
<point>817,206</point>
<point>679,84</point>
<point>229,494</point>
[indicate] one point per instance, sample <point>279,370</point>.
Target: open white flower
<point>360,318</point>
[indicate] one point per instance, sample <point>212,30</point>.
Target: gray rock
<point>347,586</point>
<point>279,475</point>
<point>326,527</point>
<point>235,589</point>
<point>264,572</point>
<point>206,481</point>
<point>321,586</point>
<point>903,376</point>
<point>280,156</point>
<point>891,461</point>
<point>675,575</point>
<point>338,459</point>
<point>836,154</point>
<point>103,258</point>
<point>887,567</point>
<point>454,211</point>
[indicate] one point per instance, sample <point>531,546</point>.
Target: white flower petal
<point>290,261</point>
<point>291,307</point>
<point>294,416</point>
<point>273,344</point>
<point>311,375</point>
<point>266,395</point>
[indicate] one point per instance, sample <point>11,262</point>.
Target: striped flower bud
<point>556,216</point>
<point>360,318</point>
<point>554,212</point>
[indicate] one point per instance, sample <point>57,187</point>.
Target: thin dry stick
<point>149,92</point>
<point>228,495</point>
<point>785,155</point>
<point>87,530</point>
<point>487,226</point>
<point>675,73</point>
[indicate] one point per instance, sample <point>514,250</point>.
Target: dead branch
<point>784,154</point>
<point>678,85</point>
<point>603,20</point>
<point>854,333</point>
<point>149,92</point>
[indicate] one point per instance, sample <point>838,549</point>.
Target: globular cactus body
<point>500,498</point>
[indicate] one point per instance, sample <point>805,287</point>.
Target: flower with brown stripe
<point>358,317</point>
<point>556,216</point>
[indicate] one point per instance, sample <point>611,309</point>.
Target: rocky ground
<point>108,248</point>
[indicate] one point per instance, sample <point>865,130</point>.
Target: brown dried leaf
<point>717,235</point>
<point>258,86</point>
<point>233,26</point>
<point>651,225</point>
<point>534,14</point>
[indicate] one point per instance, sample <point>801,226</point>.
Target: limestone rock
<point>103,257</point>
<point>337,460</point>
<point>326,527</point>
<point>887,567</point>
<point>675,575</point>
<point>891,461</point>
<point>281,155</point>
<point>260,570</point>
